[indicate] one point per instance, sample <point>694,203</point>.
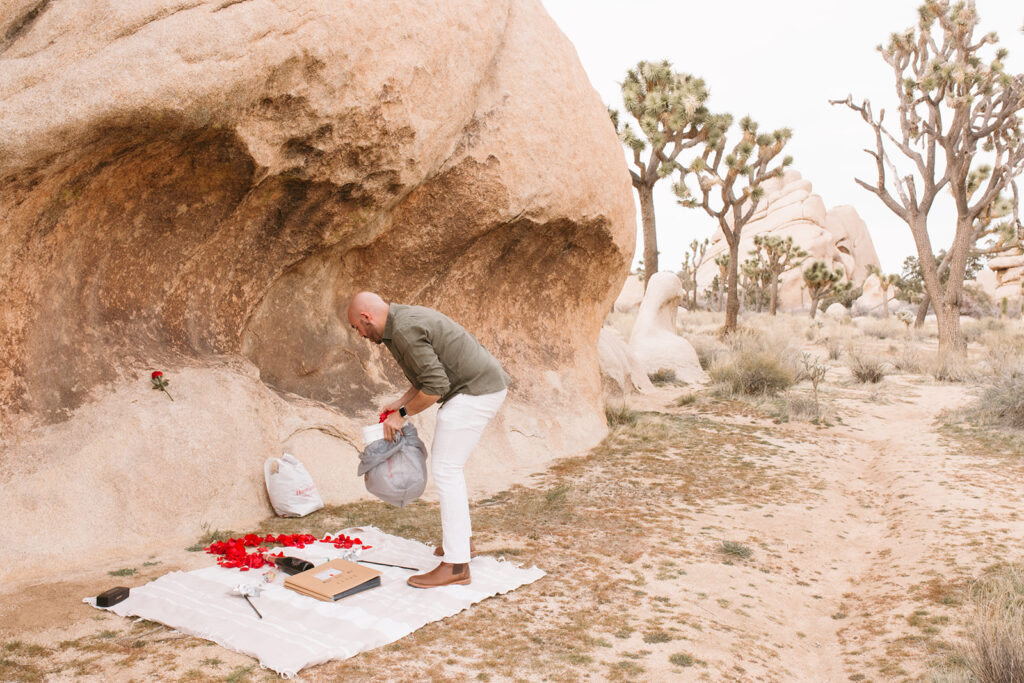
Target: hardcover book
<point>334,580</point>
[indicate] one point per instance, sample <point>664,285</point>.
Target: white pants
<point>460,422</point>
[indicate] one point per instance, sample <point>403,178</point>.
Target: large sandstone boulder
<point>194,186</point>
<point>790,209</point>
<point>654,340</point>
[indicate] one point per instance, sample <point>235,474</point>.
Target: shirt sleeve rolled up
<point>422,363</point>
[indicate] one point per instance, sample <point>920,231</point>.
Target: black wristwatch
<point>401,411</point>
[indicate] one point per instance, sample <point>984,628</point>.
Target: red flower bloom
<point>157,373</point>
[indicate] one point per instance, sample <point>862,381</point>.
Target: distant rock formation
<point>789,209</point>
<point>631,295</point>
<point>196,186</point>
<point>621,372</point>
<point>654,340</point>
<point>1009,274</point>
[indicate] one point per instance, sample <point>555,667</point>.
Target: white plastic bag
<point>395,472</point>
<point>292,491</point>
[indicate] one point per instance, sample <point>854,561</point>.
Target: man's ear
<point>366,317</point>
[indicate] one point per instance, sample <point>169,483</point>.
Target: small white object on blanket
<point>298,631</point>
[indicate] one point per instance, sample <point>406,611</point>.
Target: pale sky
<point>779,62</point>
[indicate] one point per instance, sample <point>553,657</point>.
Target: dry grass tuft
<point>620,414</point>
<point>866,369</point>
<point>883,328</point>
<point>995,649</point>
<point>756,365</point>
<point>664,376</point>
<point>708,348</point>
<point>1001,405</point>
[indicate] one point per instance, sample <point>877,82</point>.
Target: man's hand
<point>392,425</point>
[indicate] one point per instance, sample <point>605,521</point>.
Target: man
<point>443,363</point>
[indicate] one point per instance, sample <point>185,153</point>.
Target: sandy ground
<point>862,533</point>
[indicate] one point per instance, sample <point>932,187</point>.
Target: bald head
<point>367,314</point>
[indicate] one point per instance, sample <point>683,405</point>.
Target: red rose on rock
<point>160,383</point>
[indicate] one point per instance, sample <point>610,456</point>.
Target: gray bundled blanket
<point>395,471</point>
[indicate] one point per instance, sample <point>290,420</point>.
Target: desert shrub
<point>795,407</point>
<point>620,414</point>
<point>736,549</point>
<point>882,328</point>
<point>755,374</point>
<point>947,369</point>
<point>995,639</point>
<point>834,347</point>
<point>663,376</point>
<point>907,360</point>
<point>756,363</point>
<point>699,322</point>
<point>1001,405</point>
<point>866,369</point>
<point>707,347</point>
<point>1004,352</point>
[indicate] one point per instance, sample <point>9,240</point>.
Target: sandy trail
<point>855,578</point>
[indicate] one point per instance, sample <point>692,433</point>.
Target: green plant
<point>123,572</point>
<point>668,107</point>
<point>209,537</point>
<point>820,281</point>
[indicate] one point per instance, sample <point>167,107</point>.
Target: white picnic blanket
<point>297,631</point>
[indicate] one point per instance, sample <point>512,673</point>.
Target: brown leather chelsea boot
<point>444,574</point>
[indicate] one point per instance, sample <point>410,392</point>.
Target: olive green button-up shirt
<point>438,356</point>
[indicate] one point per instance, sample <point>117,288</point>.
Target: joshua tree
<point>820,281</point>
<point>999,237</point>
<point>950,102</point>
<point>722,261</point>
<point>886,281</point>
<point>735,178</point>
<point>780,255</point>
<point>755,280</point>
<point>669,109</point>
<point>692,260</point>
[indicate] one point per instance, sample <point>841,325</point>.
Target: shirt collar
<point>389,324</point>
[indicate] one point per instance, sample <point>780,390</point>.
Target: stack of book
<point>334,580</point>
